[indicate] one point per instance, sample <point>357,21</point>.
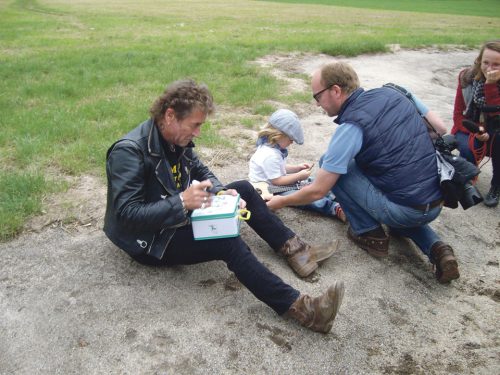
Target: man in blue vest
<point>381,166</point>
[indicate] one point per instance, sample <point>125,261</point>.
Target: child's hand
<point>303,174</point>
<point>306,166</point>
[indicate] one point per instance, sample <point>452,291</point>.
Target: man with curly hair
<point>151,196</point>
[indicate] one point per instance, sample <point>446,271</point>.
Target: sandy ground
<point>72,303</point>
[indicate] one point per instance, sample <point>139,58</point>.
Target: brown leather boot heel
<point>446,263</point>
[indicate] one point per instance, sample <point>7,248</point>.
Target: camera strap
<point>409,96</point>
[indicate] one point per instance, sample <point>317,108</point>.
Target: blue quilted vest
<point>397,154</point>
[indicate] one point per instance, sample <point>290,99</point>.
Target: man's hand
<point>275,203</point>
<point>197,196</point>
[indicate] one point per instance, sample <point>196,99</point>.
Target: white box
<point>220,220</point>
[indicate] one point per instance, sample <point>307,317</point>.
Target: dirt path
<point>70,302</point>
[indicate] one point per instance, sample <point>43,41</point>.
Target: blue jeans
<point>366,208</point>
<point>265,285</point>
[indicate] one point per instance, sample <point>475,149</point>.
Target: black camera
<point>492,124</point>
<point>471,126</point>
<point>459,189</point>
<point>446,144</point>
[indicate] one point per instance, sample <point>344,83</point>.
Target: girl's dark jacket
<point>143,205</point>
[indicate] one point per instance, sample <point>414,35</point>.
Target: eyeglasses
<point>318,94</point>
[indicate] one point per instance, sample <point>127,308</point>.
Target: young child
<point>268,163</point>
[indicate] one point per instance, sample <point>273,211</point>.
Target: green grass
<point>19,192</point>
<point>482,8</point>
<point>75,76</point>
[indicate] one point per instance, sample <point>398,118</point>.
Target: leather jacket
<point>143,204</point>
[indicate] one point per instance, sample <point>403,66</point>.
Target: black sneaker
<point>491,199</point>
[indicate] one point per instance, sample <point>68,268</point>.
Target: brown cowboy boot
<point>304,258</point>
<point>318,313</point>
<point>445,262</point>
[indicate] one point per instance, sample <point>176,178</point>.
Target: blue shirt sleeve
<point>421,107</point>
<point>344,146</point>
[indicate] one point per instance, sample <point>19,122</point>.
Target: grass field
<point>74,76</point>
<point>482,8</point>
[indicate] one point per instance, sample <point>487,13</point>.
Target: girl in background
<point>478,100</point>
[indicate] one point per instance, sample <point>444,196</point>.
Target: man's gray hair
<point>183,97</point>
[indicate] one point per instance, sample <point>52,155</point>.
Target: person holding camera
<point>152,193</point>
<point>476,114</point>
<point>381,165</point>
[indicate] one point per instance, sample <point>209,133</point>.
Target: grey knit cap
<point>288,122</point>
